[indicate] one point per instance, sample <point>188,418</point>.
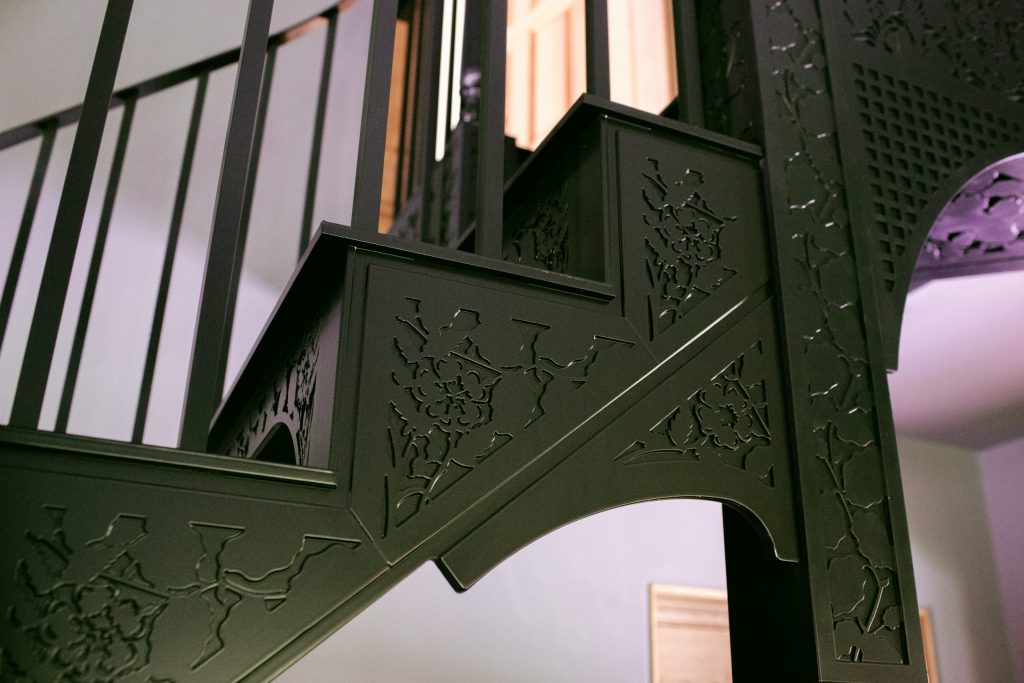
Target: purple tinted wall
<point>1003,478</point>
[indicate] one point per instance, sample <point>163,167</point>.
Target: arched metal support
<point>996,177</point>
<point>661,447</point>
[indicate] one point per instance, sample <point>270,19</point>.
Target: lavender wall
<point>1002,471</point>
<point>953,560</point>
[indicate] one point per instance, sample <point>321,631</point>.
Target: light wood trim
<point>928,637</point>
<point>707,608</point>
<point>685,607</point>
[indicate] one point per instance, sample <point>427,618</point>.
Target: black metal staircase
<point>641,308</point>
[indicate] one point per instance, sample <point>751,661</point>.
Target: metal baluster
<point>318,133</point>
<point>413,75</point>
<point>27,219</point>
<point>177,214</point>
<point>99,247</point>
<point>42,337</point>
<point>373,130</point>
<point>490,171</point>
<point>691,100</point>
<point>254,165</point>
<point>426,99</point>
<point>402,169</point>
<point>598,60</point>
<point>224,258</point>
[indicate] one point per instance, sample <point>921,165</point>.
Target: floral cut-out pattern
<point>467,385</point>
<point>682,246</point>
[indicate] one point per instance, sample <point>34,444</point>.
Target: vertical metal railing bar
<point>452,77</point>
<point>491,159</point>
<point>598,58</point>
<point>403,119</point>
<point>189,72</point>
<point>224,258</point>
<point>413,66</point>
<point>318,133</point>
<point>177,215</point>
<point>427,111</point>
<point>250,181</point>
<point>28,217</point>
<point>374,124</point>
<point>691,99</point>
<point>42,337</point>
<point>98,249</point>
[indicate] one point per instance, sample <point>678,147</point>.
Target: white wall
<point>1002,471</point>
<point>953,560</point>
<point>56,39</point>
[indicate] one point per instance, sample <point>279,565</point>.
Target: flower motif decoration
<point>727,419</point>
<point>87,611</point>
<point>727,416</point>
<point>542,239</point>
<point>466,388</point>
<point>457,396</point>
<point>97,632</point>
<point>441,427</point>
<point>683,246</point>
<point>93,630</point>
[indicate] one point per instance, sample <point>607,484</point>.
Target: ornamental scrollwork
<point>979,40</point>
<point>466,386</point>
<point>89,611</point>
<point>727,419</point>
<point>682,246</point>
<point>542,237</point>
<point>289,400</point>
<point>846,463</point>
<point>982,220</point>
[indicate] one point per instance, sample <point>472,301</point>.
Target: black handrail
<point>169,79</point>
<point>230,227</point>
<point>91,116</point>
<point>477,186</point>
<point>67,228</point>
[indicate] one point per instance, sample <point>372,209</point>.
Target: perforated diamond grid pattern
<point>915,138</point>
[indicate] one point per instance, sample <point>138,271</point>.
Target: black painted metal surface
<point>47,127</point>
<point>42,339</point>
<point>639,322</point>
<point>227,238</point>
